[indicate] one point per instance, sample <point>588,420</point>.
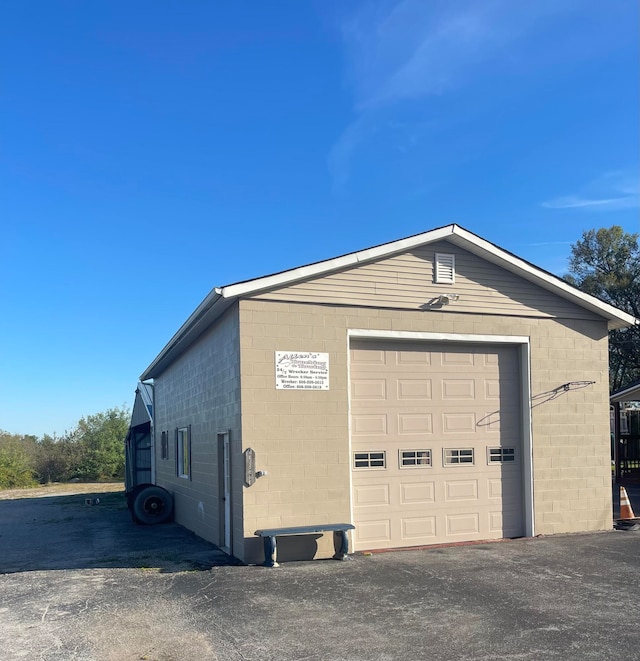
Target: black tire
<point>153,505</point>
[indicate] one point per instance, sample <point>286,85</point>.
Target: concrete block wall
<point>202,389</point>
<point>301,438</point>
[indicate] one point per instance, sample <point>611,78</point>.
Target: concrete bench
<point>340,539</point>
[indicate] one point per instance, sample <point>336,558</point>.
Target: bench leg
<point>270,552</point>
<point>341,545</point>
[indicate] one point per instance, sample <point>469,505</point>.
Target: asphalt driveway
<point>81,582</point>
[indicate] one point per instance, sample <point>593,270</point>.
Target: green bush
<point>16,464</point>
<point>92,451</point>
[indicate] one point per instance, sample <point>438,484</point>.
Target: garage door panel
<point>457,358</point>
<point>369,424</point>
<point>414,389</point>
<point>371,495</point>
<point>463,524</point>
<point>504,488</point>
<point>369,389</point>
<point>421,493</point>
<point>442,411</point>
<point>377,532</point>
<point>455,423</point>
<point>415,423</point>
<point>494,489</point>
<point>368,356</point>
<point>418,528</point>
<point>461,490</point>
<point>495,521</point>
<point>458,389</point>
<point>492,389</point>
<point>407,358</point>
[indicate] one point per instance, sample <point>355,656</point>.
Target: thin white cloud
<point>573,202</point>
<point>611,191</point>
<point>342,151</point>
<point>417,49</point>
<point>403,51</point>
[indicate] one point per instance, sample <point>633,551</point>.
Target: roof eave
<point>197,323</point>
<point>221,298</point>
<point>615,318</point>
<point>336,263</point>
<point>629,394</point>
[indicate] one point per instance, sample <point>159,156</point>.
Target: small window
<point>415,458</point>
<point>454,457</point>
<point>370,459</point>
<point>164,445</point>
<point>501,455</point>
<point>183,452</point>
<point>445,268</point>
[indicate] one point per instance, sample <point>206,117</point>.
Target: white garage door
<point>436,443</point>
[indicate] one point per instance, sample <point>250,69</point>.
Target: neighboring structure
<point>434,389</point>
<point>138,444</point>
<point>625,434</point>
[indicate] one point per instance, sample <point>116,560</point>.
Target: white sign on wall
<point>302,370</point>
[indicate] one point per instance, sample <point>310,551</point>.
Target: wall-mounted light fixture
<point>445,299</point>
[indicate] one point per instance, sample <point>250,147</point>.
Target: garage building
<point>430,390</point>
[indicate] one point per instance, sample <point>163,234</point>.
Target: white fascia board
<point>617,318</point>
<point>187,330</point>
<point>146,394</point>
<point>335,264</point>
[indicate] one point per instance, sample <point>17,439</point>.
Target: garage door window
<point>376,459</point>
<point>500,455</point>
<point>456,456</point>
<point>415,458</point>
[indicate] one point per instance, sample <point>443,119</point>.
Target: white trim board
<point>433,336</point>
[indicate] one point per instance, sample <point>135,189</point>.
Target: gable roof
<point>142,405</point>
<point>629,394</point>
<point>220,298</point>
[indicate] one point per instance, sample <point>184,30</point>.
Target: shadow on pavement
<point>63,532</point>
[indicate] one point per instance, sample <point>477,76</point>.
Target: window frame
<point>164,445</point>
<point>183,452</point>
<point>425,452</point>
<point>458,456</point>
<point>369,459</point>
<point>507,455</point>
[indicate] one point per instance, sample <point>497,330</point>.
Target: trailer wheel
<point>153,505</point>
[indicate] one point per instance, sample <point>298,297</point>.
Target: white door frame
<point>523,343</point>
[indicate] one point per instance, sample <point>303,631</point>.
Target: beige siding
<point>407,281</point>
<point>202,389</point>
<point>301,438</point>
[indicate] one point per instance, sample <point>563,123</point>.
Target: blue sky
<point>151,150</point>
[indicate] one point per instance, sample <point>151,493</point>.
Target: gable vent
<point>445,268</point>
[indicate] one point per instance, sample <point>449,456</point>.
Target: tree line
<point>606,264</point>
<point>92,451</point>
